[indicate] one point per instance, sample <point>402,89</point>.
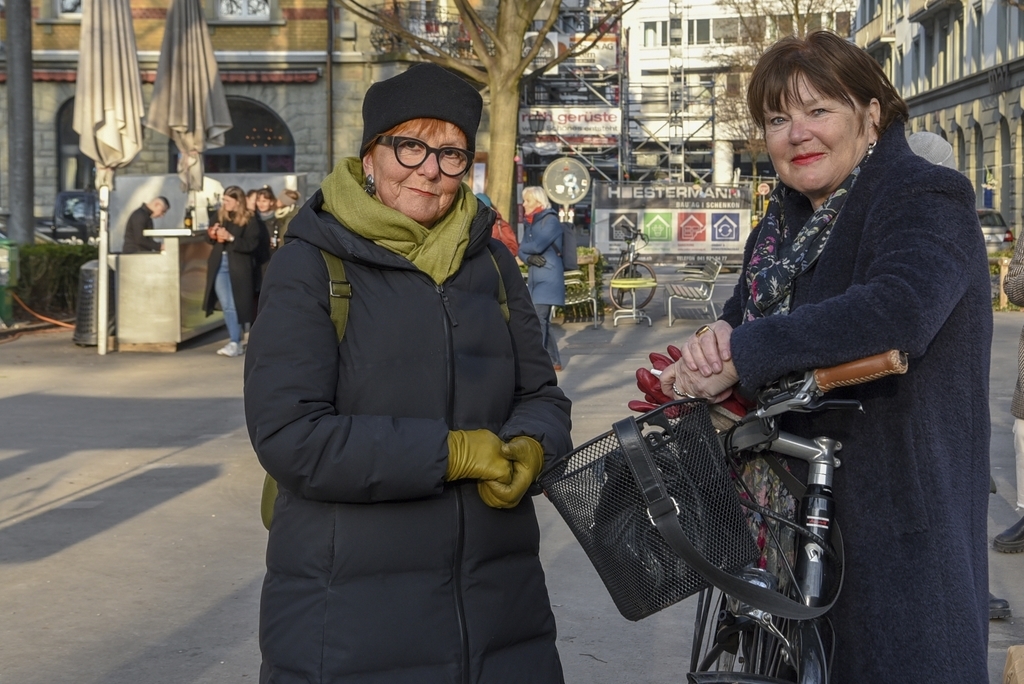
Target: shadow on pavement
<point>46,427</point>
<point>49,532</point>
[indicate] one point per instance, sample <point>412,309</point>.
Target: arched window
<point>258,142</point>
<point>75,171</point>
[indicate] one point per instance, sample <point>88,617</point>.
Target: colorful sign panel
<point>681,222</point>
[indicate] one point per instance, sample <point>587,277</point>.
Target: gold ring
<point>701,330</point>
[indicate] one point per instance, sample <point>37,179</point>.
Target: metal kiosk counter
<point>160,295</point>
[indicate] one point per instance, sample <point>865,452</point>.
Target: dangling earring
<point>369,186</point>
<point>871,147</point>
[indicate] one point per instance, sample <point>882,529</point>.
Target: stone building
<point>961,70</point>
<point>272,57</point>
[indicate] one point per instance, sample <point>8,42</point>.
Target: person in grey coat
<point>867,247</point>
<point>404,544</point>
<point>541,249</point>
<point>1012,539</point>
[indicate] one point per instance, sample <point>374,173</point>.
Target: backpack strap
<point>340,291</point>
<point>502,295</point>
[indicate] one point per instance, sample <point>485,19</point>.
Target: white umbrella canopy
<point>188,104</point>
<point>107,114</point>
<point>108,91</point>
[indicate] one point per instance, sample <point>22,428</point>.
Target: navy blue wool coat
<point>543,236</point>
<point>904,268</point>
<point>378,570</point>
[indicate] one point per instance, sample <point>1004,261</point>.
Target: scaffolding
<point>671,129</point>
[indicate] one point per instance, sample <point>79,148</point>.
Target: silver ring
<point>681,395</point>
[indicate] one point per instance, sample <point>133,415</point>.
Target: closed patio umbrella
<point>107,114</point>
<point>188,104</point>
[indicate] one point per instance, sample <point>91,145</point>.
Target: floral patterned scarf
<point>780,257</point>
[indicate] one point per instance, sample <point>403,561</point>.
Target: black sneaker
<point>998,608</point>
<point>1012,540</point>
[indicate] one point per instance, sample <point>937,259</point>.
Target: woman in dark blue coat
<point>867,247</point>
<point>541,250</point>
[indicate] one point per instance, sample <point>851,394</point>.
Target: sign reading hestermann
<point>680,221</point>
<point>573,121</point>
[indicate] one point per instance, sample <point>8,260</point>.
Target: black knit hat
<point>426,91</point>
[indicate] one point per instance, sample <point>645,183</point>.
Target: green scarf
<point>436,251</point>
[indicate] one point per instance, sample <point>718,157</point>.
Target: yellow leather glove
<point>477,454</point>
<point>527,458</point>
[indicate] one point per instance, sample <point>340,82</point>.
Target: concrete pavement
<point>130,543</point>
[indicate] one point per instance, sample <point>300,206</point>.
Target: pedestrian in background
<point>142,219</point>
<point>229,273</point>
<point>287,206</point>
<point>501,230</point>
<point>404,546</point>
<point>540,249</point>
<point>266,203</point>
<point>1012,539</point>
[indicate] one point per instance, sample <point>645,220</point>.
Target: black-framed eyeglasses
<point>411,153</point>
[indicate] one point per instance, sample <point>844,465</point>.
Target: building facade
<point>960,67</point>
<point>669,88</point>
<point>273,61</point>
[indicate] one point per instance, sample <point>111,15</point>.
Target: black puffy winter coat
<point>377,569</point>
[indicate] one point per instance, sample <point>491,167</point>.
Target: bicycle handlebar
<point>892,362</point>
<point>802,392</point>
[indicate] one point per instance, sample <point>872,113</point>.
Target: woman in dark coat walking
<point>404,546</point>
<point>229,270</point>
<point>867,247</point>
<point>541,250</point>
<point>1011,540</point>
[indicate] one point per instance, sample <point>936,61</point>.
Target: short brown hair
<point>831,65</point>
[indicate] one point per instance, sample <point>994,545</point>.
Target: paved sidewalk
<point>130,543</point>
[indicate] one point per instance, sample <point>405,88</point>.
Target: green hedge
<point>48,276</point>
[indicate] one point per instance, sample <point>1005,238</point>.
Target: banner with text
<point>573,121</point>
<point>680,221</point>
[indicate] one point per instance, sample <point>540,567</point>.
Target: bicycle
<point>654,503</point>
<point>629,268</point>
<point>735,636</point>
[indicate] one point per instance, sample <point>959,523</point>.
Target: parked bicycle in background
<point>629,267</point>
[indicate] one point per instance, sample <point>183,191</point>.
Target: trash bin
<point>88,304</point>
<point>87,311</point>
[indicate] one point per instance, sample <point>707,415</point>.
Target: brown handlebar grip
<point>892,362</point>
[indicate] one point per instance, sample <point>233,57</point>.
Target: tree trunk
<point>501,158</point>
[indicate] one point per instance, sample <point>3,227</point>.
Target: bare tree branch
<point>538,42</point>
<point>424,48</point>
<point>590,38</point>
<point>474,24</point>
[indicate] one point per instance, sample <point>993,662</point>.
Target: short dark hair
<point>167,202</point>
<point>831,65</point>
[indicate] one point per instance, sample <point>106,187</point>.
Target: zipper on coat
<point>460,533</point>
<point>457,574</point>
<point>447,305</point>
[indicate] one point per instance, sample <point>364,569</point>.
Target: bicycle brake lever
<point>829,405</point>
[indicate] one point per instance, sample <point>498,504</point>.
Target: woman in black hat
<point>405,438</point>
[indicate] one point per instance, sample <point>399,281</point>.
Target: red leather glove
<point>649,383</point>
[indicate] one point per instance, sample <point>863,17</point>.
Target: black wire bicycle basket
<point>597,494</point>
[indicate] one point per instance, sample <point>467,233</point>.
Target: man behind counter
<point>140,220</point>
